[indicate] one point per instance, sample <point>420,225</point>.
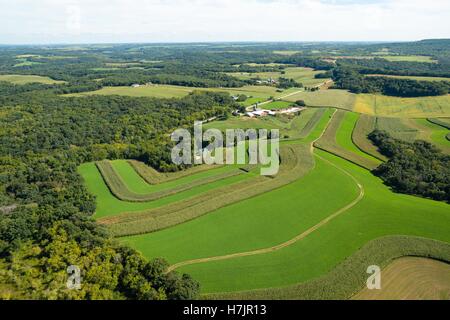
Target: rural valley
<point>87,178</point>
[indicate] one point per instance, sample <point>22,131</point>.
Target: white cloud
<point>222,20</point>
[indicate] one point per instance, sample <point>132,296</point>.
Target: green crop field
<point>337,139</point>
<point>108,205</point>
<point>126,184</point>
<point>277,105</point>
<point>363,127</point>
<point>232,248</point>
<point>345,133</point>
<point>381,212</point>
<point>23,79</point>
<point>157,91</point>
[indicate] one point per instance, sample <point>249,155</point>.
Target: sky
<point>116,21</point>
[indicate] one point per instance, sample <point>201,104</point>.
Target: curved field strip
<point>434,133</point>
<point>381,212</point>
<point>364,126</point>
<point>344,136</point>
<point>328,141</point>
<point>296,161</point>
<point>124,218</point>
<point>124,182</point>
<point>343,281</point>
<point>109,206</point>
<point>277,217</point>
<point>411,278</point>
<point>153,176</point>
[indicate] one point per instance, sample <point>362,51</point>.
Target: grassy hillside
<point>379,213</point>
<point>412,278</point>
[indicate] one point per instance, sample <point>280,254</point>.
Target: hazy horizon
<point>26,22</point>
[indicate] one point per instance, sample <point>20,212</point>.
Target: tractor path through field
<point>287,243</point>
<point>272,100</point>
<point>291,241</point>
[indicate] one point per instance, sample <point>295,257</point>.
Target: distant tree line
<point>346,78</point>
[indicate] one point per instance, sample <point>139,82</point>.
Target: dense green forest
<point>416,168</point>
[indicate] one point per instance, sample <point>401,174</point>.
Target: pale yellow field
<point>23,79</point>
<point>411,278</point>
<point>422,107</point>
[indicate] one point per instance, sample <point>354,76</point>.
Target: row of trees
<point>347,78</point>
<point>414,168</point>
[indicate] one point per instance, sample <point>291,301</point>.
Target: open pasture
<point>379,213</point>
<point>340,99</point>
<point>363,127</point>
<point>23,79</point>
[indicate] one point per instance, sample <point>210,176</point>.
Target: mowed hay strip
<point>328,143</point>
<point>350,276</point>
<point>119,189</point>
<point>151,176</point>
<point>311,124</point>
<point>296,161</point>
<point>364,126</point>
<point>443,122</point>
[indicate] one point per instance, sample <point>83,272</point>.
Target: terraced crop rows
<point>305,221</point>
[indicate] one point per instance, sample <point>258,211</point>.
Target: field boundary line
<point>286,243</point>
<point>291,241</point>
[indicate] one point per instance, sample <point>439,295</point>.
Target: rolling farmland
<point>288,225</point>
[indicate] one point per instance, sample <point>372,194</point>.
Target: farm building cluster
<point>263,112</point>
